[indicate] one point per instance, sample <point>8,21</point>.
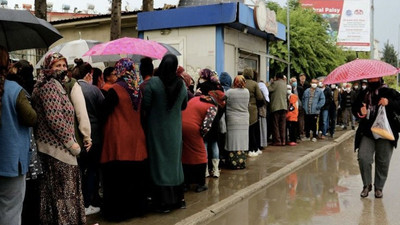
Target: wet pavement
<point>326,191</point>
<point>239,187</point>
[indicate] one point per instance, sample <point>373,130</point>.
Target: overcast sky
<point>387,16</point>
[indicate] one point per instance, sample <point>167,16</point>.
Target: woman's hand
<point>363,111</point>
<point>88,145</point>
<point>383,102</point>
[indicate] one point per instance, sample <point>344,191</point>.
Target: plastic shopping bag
<point>381,127</point>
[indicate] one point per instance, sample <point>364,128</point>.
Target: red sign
<point>324,7</point>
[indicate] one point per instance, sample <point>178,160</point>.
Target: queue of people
<point>144,136</point>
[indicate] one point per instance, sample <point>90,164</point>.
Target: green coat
<point>255,96</point>
<point>278,96</point>
<point>164,133</point>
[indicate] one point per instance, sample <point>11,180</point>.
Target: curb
<point>210,212</point>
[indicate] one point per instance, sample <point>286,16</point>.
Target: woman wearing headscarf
<point>89,161</point>
<point>164,98</point>
<point>61,199</point>
<point>256,99</point>
<point>16,116</point>
<point>22,73</point>
<point>188,80</point>
<point>369,148</point>
<point>237,124</point>
<point>124,152</point>
<point>209,81</point>
<point>197,120</point>
<point>225,80</point>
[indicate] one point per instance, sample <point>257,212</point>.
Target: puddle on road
<point>312,195</point>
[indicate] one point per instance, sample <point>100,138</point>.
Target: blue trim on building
<point>219,49</point>
<point>235,15</point>
<point>188,17</point>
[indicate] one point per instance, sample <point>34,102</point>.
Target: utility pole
<point>288,38</point>
<point>397,58</point>
<point>372,30</point>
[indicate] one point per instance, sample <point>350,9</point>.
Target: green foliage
<point>312,51</point>
<point>389,54</point>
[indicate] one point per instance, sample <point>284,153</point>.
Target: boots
<point>207,173</point>
<point>215,169</point>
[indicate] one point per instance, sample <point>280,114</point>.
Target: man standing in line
<point>279,107</point>
<point>313,100</point>
<point>301,87</point>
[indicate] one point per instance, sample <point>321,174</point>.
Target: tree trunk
<point>40,12</point>
<point>148,5</point>
<point>115,29</point>
<point>41,9</point>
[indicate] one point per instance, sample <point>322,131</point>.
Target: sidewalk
<point>275,163</point>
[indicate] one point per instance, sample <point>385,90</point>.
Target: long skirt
<point>236,160</point>
<point>263,132</point>
<point>194,173</point>
<point>61,199</point>
<point>124,189</point>
<point>165,198</point>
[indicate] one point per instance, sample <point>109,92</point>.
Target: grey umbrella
<point>19,29</point>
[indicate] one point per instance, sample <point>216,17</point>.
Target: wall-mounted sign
<point>265,19</point>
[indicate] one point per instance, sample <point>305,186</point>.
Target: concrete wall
<point>196,45</point>
<point>237,42</point>
<point>95,29</point>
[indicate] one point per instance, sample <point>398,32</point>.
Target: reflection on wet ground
<point>231,182</point>
<point>326,191</point>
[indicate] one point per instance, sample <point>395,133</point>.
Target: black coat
<point>364,128</point>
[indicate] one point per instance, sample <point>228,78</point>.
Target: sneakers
<point>252,154</point>
<point>258,152</point>
<point>292,144</point>
<point>91,210</point>
<point>313,139</point>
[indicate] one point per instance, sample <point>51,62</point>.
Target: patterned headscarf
<point>125,69</point>
<point>219,97</point>
<point>239,82</point>
<point>47,72</point>
<point>209,75</point>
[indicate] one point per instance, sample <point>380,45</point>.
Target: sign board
<point>265,19</point>
<point>349,20</point>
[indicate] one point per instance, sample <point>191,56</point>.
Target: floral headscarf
<point>47,72</point>
<point>209,75</point>
<point>125,69</point>
<point>239,82</point>
<point>215,97</point>
<point>219,97</point>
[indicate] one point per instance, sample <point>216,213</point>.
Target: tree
<point>115,25</point>
<point>147,5</point>
<point>390,56</point>
<point>41,9</point>
<point>312,51</point>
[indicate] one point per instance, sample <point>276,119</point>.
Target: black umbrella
<point>19,29</point>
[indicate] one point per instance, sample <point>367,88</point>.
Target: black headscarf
<point>167,73</point>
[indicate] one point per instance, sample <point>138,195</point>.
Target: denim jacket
<point>317,102</point>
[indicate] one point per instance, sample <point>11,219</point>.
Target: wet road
<point>326,191</point>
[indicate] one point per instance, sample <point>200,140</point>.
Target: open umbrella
<point>19,29</point>
<point>134,48</point>
<point>72,50</point>
<point>360,69</point>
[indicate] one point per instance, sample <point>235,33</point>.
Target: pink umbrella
<point>126,47</point>
<point>360,69</point>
